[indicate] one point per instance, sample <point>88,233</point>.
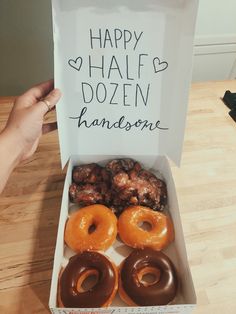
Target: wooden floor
<point>206,187</point>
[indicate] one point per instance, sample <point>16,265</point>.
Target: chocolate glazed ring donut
<point>134,291</point>
<point>80,267</point>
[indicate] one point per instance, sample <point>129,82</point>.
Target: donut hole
<point>149,276</point>
<point>145,225</point>
<point>91,228</point>
<point>87,281</point>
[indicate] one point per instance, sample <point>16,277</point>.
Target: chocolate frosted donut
<point>134,291</point>
<point>80,266</point>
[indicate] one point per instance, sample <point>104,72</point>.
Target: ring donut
<point>71,293</point>
<point>161,232</point>
<point>135,291</point>
<point>92,227</point>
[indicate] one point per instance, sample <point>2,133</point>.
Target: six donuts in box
<point>124,70</point>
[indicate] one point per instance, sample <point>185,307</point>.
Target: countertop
<point>206,189</point>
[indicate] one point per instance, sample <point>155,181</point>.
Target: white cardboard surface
<point>186,298</point>
<point>124,69</point>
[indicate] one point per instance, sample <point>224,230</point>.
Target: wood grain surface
<point>206,188</point>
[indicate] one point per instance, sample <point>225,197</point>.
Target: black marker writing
<point>140,64</point>
<point>118,77</point>
<point>114,66</point>
<point>101,92</point>
<point>114,92</point>
<point>107,39</point>
<point>139,91</point>
<point>121,124</point>
<point>137,94</point>
<point>115,38</point>
<point>137,38</point>
<point>93,38</point>
<point>98,67</point>
<point>125,94</point>
<point>127,69</point>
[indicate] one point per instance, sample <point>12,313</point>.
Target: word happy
<point>116,38</point>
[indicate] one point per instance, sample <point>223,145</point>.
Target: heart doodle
<point>76,64</point>
<point>158,65</point>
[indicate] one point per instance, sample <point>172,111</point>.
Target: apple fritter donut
<point>90,185</point>
<point>132,185</point>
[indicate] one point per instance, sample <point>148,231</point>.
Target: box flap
<point>124,69</point>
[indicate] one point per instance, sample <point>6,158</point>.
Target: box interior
<point>160,64</point>
<point>176,251</point>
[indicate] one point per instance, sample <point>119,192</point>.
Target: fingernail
<point>56,92</point>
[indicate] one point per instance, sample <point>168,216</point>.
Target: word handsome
<point>121,124</point>
<point>116,38</point>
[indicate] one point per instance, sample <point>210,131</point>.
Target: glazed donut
<point>134,290</point>
<point>158,237</point>
<point>70,289</point>
<point>92,227</point>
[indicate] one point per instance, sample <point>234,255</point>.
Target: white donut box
<point>124,69</point>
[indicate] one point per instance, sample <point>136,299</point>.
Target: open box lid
<point>124,68</point>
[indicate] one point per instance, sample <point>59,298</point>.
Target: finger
<point>49,127</point>
<point>49,101</point>
<point>36,92</point>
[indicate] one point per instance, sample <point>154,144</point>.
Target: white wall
<point>215,41</point>
<point>26,49</point>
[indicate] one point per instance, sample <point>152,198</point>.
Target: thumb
<point>49,102</point>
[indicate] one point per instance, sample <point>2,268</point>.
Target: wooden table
<point>206,187</point>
